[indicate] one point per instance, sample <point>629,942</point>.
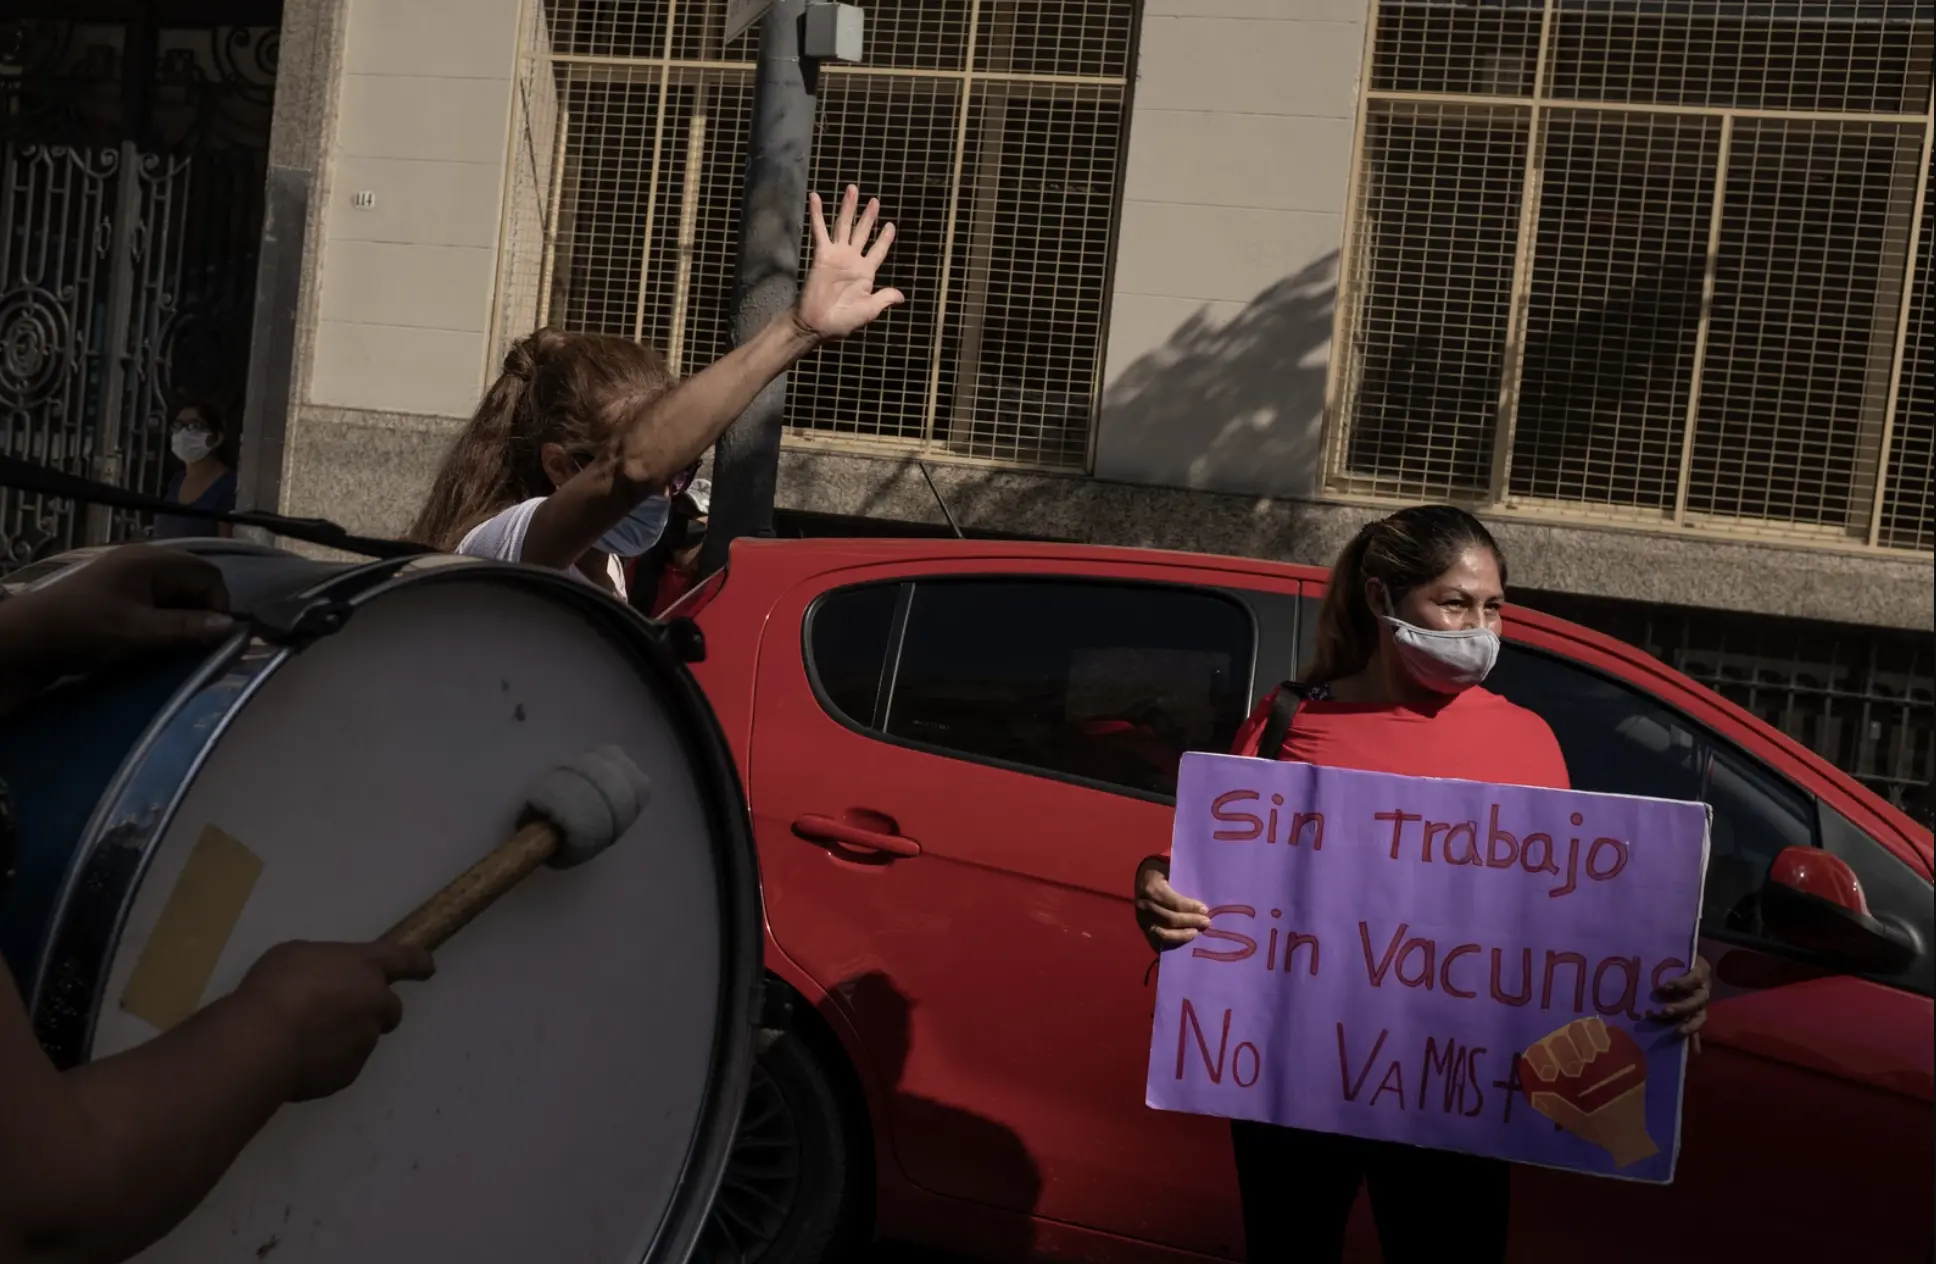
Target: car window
<point>1618,740</point>
<point>1757,815</point>
<point>847,638</point>
<point>1105,682</point>
<point>1898,896</point>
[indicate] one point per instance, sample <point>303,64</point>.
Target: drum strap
<point>27,476</point>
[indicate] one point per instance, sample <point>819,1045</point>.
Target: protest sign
<point>1441,963</point>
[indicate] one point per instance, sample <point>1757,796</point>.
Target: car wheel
<point>786,1193</point>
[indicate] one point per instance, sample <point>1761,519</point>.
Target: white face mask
<point>1444,662</point>
<point>639,530</point>
<point>191,445</point>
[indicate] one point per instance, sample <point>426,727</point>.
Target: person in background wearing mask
<point>572,457</point>
<point>200,441</point>
<point>667,571</point>
<point>99,1162</point>
<point>1408,630</point>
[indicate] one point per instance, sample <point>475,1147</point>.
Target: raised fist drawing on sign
<point>1591,1080</point>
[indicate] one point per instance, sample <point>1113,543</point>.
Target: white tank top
<point>501,538</point>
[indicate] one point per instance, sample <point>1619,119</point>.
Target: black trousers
<point>1298,1188</point>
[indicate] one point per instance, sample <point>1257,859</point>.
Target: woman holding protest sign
<point>1408,631</point>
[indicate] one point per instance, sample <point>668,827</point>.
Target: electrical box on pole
<point>835,32</point>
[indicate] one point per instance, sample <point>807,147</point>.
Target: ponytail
<point>471,485</point>
<point>1347,634</point>
<point>1411,547</point>
<point>568,389</point>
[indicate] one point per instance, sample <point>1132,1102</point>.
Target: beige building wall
<point>403,270</point>
<point>1209,438</point>
<point>406,283</point>
<point>1233,214</point>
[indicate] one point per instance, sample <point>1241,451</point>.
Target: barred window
<point>1659,262</point>
<point>990,130</point>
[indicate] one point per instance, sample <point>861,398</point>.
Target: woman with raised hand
<point>577,450</point>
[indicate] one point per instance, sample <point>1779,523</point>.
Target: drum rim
<point>134,811</point>
<point>132,817</point>
<point>139,804</point>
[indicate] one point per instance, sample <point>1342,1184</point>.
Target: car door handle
<point>824,829</point>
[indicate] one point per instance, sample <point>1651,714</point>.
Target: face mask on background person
<point>191,446</point>
<point>639,530</point>
<point>1444,662</point>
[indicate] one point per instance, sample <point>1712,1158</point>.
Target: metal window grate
<point>1647,261</point>
<point>1615,286</point>
<point>1433,271</point>
<point>1863,699</point>
<point>990,130</point>
<point>1907,514</point>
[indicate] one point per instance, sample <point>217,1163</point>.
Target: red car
<point>955,753</point>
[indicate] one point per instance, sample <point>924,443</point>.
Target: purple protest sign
<point>1441,963</point>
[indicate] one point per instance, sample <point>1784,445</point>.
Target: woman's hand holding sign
<point>1689,996</point>
<point>1169,920</point>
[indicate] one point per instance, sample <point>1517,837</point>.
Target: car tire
<point>788,1193</point>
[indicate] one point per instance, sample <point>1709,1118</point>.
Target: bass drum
<point>567,1087</point>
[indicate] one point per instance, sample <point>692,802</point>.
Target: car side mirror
<point>1813,900</point>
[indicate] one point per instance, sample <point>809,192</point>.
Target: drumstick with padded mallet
<point>573,813</point>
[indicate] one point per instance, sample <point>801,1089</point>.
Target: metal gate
<point>132,161</point>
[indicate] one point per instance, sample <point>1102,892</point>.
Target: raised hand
<point>839,297</point>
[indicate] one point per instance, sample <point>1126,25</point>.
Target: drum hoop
<point>120,840</point>
<point>126,829</point>
<point>139,804</point>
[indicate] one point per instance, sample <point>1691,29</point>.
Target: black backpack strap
<point>1284,704</point>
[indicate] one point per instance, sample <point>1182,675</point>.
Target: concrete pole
<point>746,461</point>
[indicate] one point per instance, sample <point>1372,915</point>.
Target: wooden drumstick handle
<point>476,889</point>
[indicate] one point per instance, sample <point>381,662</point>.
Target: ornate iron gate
<point>132,161</point>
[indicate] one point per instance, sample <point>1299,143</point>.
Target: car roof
<point>816,555</point>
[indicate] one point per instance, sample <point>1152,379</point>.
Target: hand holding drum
<point>332,1002</point>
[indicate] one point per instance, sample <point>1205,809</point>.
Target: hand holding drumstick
<point>98,1163</point>
<point>333,1001</point>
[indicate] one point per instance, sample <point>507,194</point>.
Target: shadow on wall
<point>1236,404</point>
<point>944,1148</point>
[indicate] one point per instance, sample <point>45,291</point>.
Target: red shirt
<point>1473,736</point>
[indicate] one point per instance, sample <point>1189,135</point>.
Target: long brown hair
<point>1411,547</point>
<point>556,387</point>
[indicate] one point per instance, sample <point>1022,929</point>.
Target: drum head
<point>564,1090</point>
